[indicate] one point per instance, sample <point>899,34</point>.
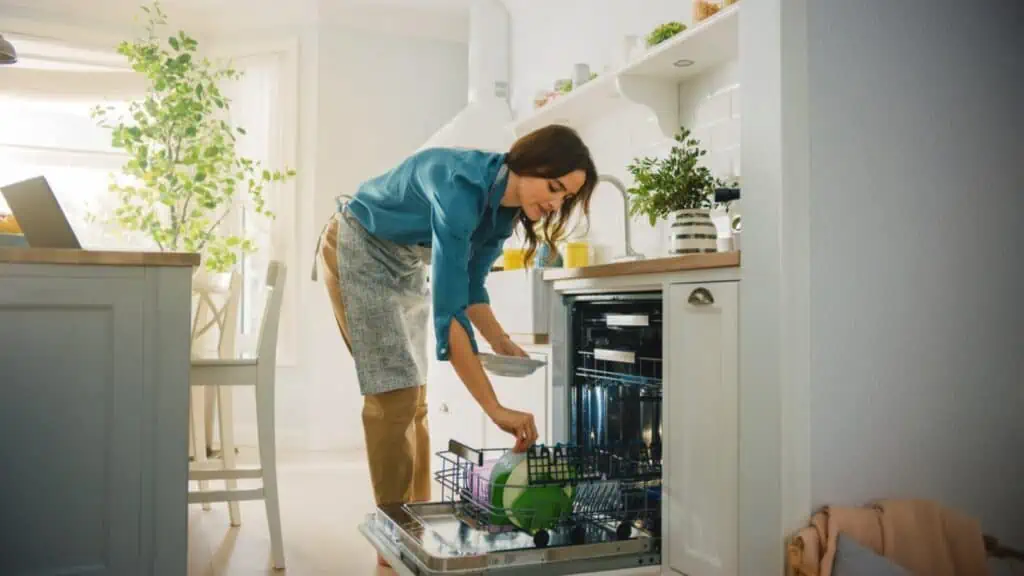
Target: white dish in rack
<point>509,366</point>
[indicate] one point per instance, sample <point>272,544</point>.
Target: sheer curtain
<point>262,102</point>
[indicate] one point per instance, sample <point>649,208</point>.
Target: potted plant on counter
<point>680,188</point>
<point>184,175</point>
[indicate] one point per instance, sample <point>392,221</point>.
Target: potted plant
<point>679,187</point>
<point>184,175</point>
<point>664,32</point>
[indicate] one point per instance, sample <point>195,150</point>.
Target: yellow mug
<point>577,255</point>
<point>514,258</point>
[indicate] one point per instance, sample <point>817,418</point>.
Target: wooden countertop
<point>96,257</point>
<point>649,266</point>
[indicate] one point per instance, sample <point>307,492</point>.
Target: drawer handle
<point>701,297</point>
<point>627,320</point>
<point>615,356</point>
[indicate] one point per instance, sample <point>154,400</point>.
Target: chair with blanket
<point>898,537</point>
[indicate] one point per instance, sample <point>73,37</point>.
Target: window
<point>56,138</point>
<point>45,105</point>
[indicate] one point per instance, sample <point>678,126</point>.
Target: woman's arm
<point>482,316</point>
<point>471,372</point>
<point>453,226</point>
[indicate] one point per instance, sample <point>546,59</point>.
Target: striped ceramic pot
<point>692,232</point>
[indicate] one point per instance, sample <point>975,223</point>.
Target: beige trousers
<point>394,423</point>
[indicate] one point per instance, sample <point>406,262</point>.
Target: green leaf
<point>174,43</point>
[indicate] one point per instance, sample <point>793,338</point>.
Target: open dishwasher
<point>610,519</point>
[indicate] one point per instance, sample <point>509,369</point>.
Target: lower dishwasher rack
<point>426,539</point>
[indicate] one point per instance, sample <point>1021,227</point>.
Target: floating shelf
<point>691,52</point>
<point>575,108</point>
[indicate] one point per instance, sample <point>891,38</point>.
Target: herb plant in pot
<point>680,188</point>
<point>184,176</point>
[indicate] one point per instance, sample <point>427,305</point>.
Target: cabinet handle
<point>444,408</point>
<point>701,297</point>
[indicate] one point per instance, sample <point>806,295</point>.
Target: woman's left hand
<point>506,347</point>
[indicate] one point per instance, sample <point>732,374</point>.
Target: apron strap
<point>316,252</point>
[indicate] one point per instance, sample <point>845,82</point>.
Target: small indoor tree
<point>678,186</point>
<point>184,175</point>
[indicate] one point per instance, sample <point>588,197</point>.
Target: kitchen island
<point>94,368</point>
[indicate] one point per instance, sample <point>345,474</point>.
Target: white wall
<point>381,97</point>
<point>549,37</point>
<point>917,372</point>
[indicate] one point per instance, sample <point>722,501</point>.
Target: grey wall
<point>917,254</point>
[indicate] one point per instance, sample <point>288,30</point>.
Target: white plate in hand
<point>509,366</point>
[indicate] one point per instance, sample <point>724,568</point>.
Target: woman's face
<point>539,197</point>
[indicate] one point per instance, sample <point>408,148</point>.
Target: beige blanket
<point>921,536</point>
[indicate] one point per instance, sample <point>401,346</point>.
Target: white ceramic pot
<point>692,232</point>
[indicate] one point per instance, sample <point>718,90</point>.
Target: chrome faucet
<point>629,253</point>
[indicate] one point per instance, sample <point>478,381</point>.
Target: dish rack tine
<point>466,452</point>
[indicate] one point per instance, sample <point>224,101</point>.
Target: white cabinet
<point>702,438</point>
<point>528,394</point>
<point>455,415</point>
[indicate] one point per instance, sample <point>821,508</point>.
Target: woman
<point>453,209</point>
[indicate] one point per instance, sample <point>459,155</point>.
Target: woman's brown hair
<point>552,152</point>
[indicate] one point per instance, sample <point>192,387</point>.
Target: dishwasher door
<point>602,527</point>
<point>431,539</point>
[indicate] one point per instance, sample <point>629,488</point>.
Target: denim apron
<point>387,306</point>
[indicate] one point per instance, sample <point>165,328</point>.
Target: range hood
<point>485,122</point>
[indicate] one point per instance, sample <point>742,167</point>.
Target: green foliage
<point>184,173</point>
<point>664,32</point>
<point>679,182</point>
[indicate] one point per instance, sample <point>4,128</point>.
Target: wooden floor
<point>323,498</point>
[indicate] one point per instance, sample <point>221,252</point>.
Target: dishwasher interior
<point>602,485</point>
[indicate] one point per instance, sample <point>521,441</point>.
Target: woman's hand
<point>506,347</point>
<point>519,424</point>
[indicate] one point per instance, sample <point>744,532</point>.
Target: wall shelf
<point>651,81</point>
<point>704,46</point>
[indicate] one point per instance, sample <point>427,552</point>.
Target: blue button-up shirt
<point>450,200</point>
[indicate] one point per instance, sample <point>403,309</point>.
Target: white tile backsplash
<point>709,106</point>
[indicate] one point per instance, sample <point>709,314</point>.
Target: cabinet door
<point>527,394</point>
<point>454,414</point>
<point>71,405</point>
<point>702,440</point>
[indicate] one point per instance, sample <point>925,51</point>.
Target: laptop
<point>39,215</point>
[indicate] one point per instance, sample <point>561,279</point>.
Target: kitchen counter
<point>95,257</point>
<point>649,266</point>
<point>94,354</point>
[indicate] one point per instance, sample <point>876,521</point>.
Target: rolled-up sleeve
<point>455,214</point>
<point>450,282</point>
